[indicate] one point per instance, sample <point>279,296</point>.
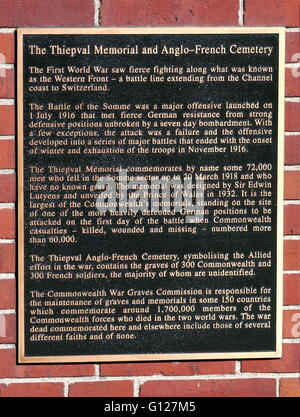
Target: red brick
<point>291,258</point>
<point>7,83</point>
<point>7,48</point>
<point>7,154</point>
<point>41,13</point>
<point>7,294</point>
<point>291,289</point>
<point>7,257</point>
<point>37,389</point>
<point>272,13</point>
<point>7,120</point>
<point>7,224</point>
<point>10,369</point>
<point>210,388</point>
<point>102,389</point>
<point>289,387</point>
<point>169,12</point>
<point>168,368</point>
<point>7,188</point>
<point>288,363</point>
<point>10,328</point>
<point>292,185</point>
<point>292,149</point>
<point>291,324</point>
<point>292,40</point>
<point>292,82</point>
<point>292,116</point>
<point>292,219</point>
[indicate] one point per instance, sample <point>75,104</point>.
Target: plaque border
<point>22,358</point>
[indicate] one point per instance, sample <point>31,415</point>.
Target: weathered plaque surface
<point>150,193</point>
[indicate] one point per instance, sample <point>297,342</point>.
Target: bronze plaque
<point>150,193</point>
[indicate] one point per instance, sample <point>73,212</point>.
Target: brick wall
<point>275,377</point>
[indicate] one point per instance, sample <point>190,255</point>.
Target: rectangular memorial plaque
<point>150,193</point>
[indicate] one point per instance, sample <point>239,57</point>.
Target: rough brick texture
<point>7,188</point>
<point>292,185</point>
<point>291,324</point>
<point>168,368</point>
<point>272,13</point>
<point>7,257</point>
<point>7,224</point>
<point>291,289</point>
<point>292,219</point>
<point>169,12</point>
<point>292,82</point>
<point>102,389</point>
<point>32,390</point>
<point>7,48</point>
<point>7,83</point>
<point>291,259</point>
<point>9,368</point>
<point>290,387</point>
<point>292,53</point>
<point>288,363</point>
<point>8,324</point>
<point>7,154</point>
<point>7,294</point>
<point>211,388</point>
<point>41,13</point>
<point>7,120</point>
<point>292,116</point>
<point>292,149</point>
